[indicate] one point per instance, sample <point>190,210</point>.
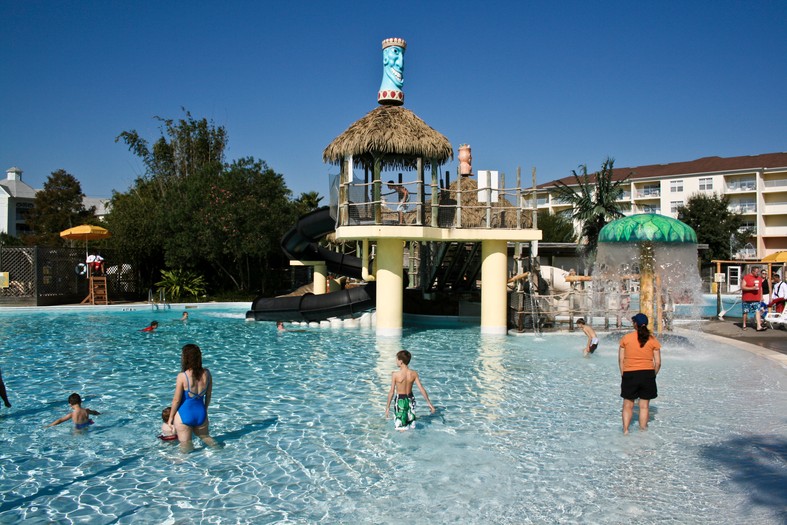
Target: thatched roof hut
<point>393,135</point>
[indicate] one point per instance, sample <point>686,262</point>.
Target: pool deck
<point>771,343</point>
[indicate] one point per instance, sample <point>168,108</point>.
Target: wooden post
<point>419,207</point>
<point>435,195</point>
<point>458,200</point>
<point>488,199</point>
<point>377,191</point>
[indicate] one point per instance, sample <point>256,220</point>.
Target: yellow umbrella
<point>778,257</point>
<point>86,232</point>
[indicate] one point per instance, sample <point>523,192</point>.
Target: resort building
<point>17,199</point>
<point>756,186</point>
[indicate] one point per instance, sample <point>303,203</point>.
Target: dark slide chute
<point>300,243</point>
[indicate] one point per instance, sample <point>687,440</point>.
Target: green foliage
<point>308,201</point>
<point>9,241</point>
<point>193,211</point>
<point>555,228</point>
<point>715,224</point>
<point>58,206</point>
<point>179,283</point>
<point>595,200</point>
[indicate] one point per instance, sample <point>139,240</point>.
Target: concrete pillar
<point>390,254</point>
<point>494,267</point>
<point>320,279</point>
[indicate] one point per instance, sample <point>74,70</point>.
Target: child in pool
<point>80,416</point>
<point>153,325</point>
<point>401,392</point>
<point>167,431</point>
<point>592,343</point>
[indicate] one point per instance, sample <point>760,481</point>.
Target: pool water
<point>527,430</point>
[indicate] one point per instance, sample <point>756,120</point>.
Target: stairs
<point>97,292</point>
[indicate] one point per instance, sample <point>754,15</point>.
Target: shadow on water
<point>254,426</point>
<point>51,490</point>
<point>758,464</point>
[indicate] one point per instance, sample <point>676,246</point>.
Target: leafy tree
<point>10,241</point>
<point>555,227</point>
<point>595,200</point>
<point>57,207</point>
<point>715,225</point>
<point>308,201</point>
<point>193,212</point>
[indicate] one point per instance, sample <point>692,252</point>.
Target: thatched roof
<point>393,134</point>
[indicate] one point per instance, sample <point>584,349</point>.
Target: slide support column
<point>494,269</point>
<point>390,254</point>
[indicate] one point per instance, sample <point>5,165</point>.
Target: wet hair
<point>581,320</point>
<point>154,323</point>
<point>191,359</point>
<point>643,334</point>
<point>404,356</point>
<point>74,399</point>
<point>165,414</point>
<point>391,182</point>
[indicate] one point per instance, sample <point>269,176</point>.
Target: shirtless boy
<point>80,416</point>
<point>402,385</point>
<point>592,339</point>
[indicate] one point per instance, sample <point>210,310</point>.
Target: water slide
<point>300,243</point>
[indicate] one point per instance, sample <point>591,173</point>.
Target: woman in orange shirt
<point>639,358</point>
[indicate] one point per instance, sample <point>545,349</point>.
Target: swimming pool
<point>527,431</point>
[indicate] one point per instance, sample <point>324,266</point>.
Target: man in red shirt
<point>751,289</point>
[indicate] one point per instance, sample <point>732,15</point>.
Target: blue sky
<point>550,85</point>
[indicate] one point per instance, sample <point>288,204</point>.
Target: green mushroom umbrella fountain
<point>657,245</point>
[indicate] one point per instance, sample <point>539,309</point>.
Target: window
<point>676,186</point>
<point>674,205</point>
<point>706,184</point>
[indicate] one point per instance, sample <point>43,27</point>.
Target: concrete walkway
<point>771,343</point>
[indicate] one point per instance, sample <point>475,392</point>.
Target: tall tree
<point>57,207</point>
<point>308,201</point>
<point>555,227</point>
<point>718,227</point>
<point>595,200</point>
<point>191,211</point>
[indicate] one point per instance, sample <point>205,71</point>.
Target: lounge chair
<point>776,318</point>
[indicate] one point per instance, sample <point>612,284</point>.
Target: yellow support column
<point>320,279</point>
<point>494,269</point>
<point>390,254</point>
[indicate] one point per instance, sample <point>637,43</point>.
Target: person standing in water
<point>193,390</point>
<point>3,393</point>
<point>592,343</point>
<point>401,392</point>
<point>639,359</point>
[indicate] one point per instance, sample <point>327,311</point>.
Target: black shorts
<point>592,348</point>
<point>639,384</point>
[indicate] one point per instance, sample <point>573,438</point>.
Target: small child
<point>185,316</point>
<point>80,416</point>
<point>153,326</point>
<point>167,431</point>
<point>402,385</point>
<point>592,339</point>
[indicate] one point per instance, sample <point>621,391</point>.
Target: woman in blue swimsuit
<point>193,388</point>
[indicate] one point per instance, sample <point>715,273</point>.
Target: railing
<point>461,205</point>
<point>161,303</point>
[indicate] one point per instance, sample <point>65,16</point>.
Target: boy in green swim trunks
<point>402,382</point>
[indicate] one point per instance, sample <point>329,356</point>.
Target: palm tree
<point>595,200</point>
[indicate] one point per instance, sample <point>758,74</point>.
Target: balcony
<point>774,185</point>
<point>741,186</point>
<point>647,194</point>
<point>743,208</point>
